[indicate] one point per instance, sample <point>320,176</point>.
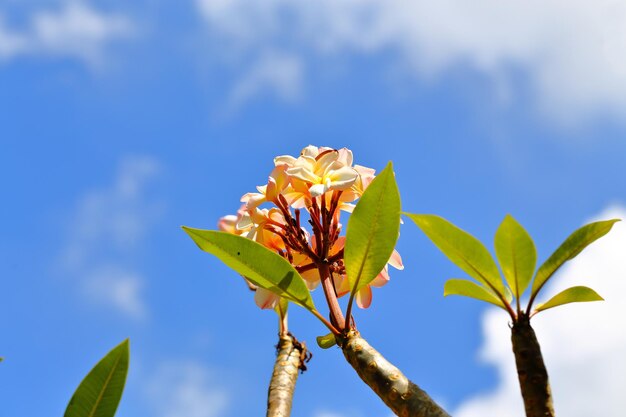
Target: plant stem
<point>336,316</point>
<point>531,370</point>
<point>290,358</point>
<point>401,395</point>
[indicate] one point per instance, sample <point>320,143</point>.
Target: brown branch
<point>531,370</point>
<point>401,395</point>
<point>291,357</point>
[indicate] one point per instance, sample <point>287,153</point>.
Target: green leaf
<point>373,230</point>
<point>572,246</point>
<point>516,253</point>
<point>578,294</point>
<point>257,263</point>
<point>100,392</point>
<point>281,307</point>
<point>326,342</point>
<point>471,289</point>
<point>462,249</point>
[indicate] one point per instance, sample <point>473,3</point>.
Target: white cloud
<point>10,43</point>
<point>583,344</point>
<point>186,389</point>
<point>75,30</point>
<point>570,53</point>
<point>107,228</point>
<point>274,73</point>
<point>118,287</point>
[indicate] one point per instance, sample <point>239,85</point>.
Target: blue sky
<point>120,122</point>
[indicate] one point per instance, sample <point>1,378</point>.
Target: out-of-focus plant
<point>517,256</point>
<point>275,251</point>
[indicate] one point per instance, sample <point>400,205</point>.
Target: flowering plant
<point>284,257</point>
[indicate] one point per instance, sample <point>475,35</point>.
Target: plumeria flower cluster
<point>323,182</point>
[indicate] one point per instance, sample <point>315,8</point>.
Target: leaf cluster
<point>517,258</point>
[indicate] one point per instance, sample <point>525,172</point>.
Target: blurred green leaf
<point>461,248</point>
<point>516,253</point>
<point>373,230</point>
<point>577,294</point>
<point>572,246</point>
<point>471,289</point>
<point>257,263</point>
<point>326,342</point>
<point>99,394</point>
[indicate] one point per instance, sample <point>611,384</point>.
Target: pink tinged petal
<point>284,160</point>
<point>327,160</point>
<point>279,174</point>
<point>310,150</point>
<point>228,224</point>
<point>245,222</point>
<point>396,260</point>
<point>364,297</point>
<point>303,174</point>
<point>381,279</point>
<point>318,189</point>
<point>347,207</point>
<point>342,178</point>
<point>253,200</point>
<point>365,172</point>
<point>259,216</point>
<point>351,194</point>
<point>277,216</point>
<point>342,286</point>
<point>265,299</point>
<point>345,156</point>
<point>339,244</point>
<point>311,275</point>
<point>272,190</point>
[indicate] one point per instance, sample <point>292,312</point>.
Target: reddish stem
<point>336,316</point>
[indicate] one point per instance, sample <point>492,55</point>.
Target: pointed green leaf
<point>572,246</point>
<point>578,294</point>
<point>471,289</point>
<point>373,230</point>
<point>100,392</point>
<point>461,248</point>
<point>516,253</point>
<point>257,263</point>
<point>326,342</point>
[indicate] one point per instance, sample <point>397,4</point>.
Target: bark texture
<point>290,359</point>
<point>531,370</point>
<point>401,395</point>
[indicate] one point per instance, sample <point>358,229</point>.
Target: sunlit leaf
<point>327,341</point>
<point>572,246</point>
<point>99,394</point>
<point>578,294</point>
<point>257,263</point>
<point>461,248</point>
<point>516,253</point>
<point>373,230</point>
<point>471,289</point>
